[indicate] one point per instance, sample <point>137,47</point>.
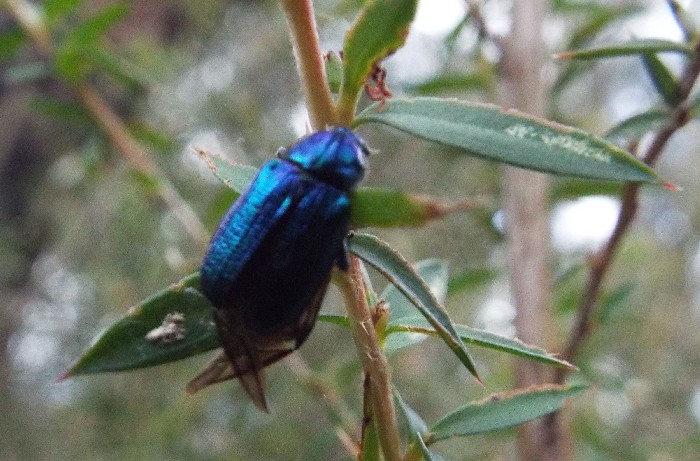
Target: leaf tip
<point>64,376</point>
<point>672,187</point>
<point>207,157</point>
<point>562,56</point>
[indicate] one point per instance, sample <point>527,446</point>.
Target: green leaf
<point>662,78</point>
<point>615,301</point>
<point>380,29</point>
<point>371,449</point>
<point>504,410</point>
<point>427,454</point>
<point>415,423</point>
<point>237,177</point>
<point>334,319</point>
<point>470,279</point>
<point>419,329</point>
<point>509,136</point>
<point>371,207</point>
<point>334,71</point>
<point>597,19</point>
<point>412,330</point>
<point>462,83</point>
<point>70,65</point>
<point>94,27</point>
<point>638,125</point>
<point>375,207</point>
<point>573,188</point>
<point>416,429</point>
<point>434,273</point>
<point>511,346</point>
<point>134,341</point>
<point>630,48</point>
<point>57,10</point>
<point>379,255</point>
<point>110,63</point>
<point>62,110</point>
<point>11,40</point>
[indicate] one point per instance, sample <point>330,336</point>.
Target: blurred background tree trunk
<point>527,222</point>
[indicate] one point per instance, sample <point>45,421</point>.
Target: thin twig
<point>137,156</point>
<point>602,261</point>
<point>474,12</point>
<point>373,359</point>
<point>312,69</point>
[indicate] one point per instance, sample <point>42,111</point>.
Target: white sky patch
<point>217,73</point>
<point>299,120</point>
<point>656,22</point>
<point>497,313</point>
<point>437,18</point>
<point>613,407</point>
<point>694,405</point>
<point>628,101</point>
<point>584,224</point>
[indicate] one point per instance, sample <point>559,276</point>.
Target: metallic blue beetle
<point>269,264</point>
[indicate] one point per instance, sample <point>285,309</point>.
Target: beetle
<point>269,264</point>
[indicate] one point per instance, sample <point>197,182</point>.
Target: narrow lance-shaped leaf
<point>414,330</point>
<point>371,206</point>
<point>467,82</point>
<point>470,279</point>
<point>97,25</point>
<point>504,410</point>
<point>630,48</point>
<point>638,125</point>
<point>402,311</point>
<point>416,429</point>
<point>371,448</point>
<point>425,451</point>
<point>171,325</point>
<point>375,207</point>
<point>380,29</point>
<point>662,78</point>
<point>596,19</point>
<point>434,273</point>
<point>418,329</point>
<point>379,255</point>
<point>237,177</point>
<point>509,136</point>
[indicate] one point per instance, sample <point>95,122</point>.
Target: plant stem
<point>602,261</point>
<point>312,70</point>
<point>347,105</point>
<point>373,359</point>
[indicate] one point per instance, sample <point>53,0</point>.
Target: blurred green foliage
<point>82,238</point>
